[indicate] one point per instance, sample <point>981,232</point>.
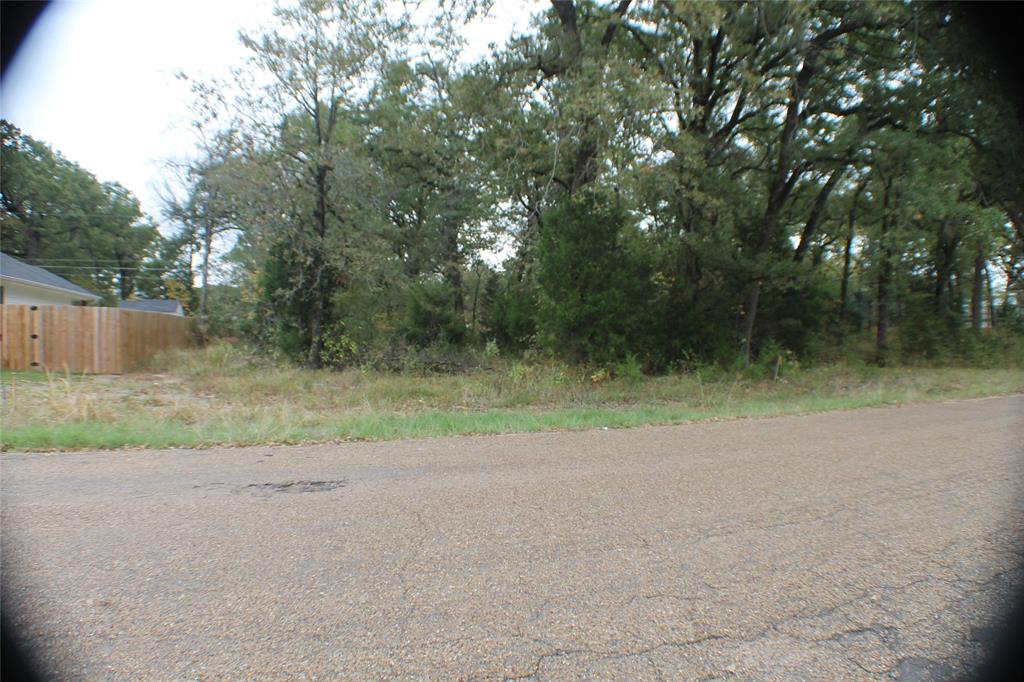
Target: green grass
<point>7,377</point>
<point>221,396</point>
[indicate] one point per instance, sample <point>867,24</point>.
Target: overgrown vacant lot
<point>223,395</point>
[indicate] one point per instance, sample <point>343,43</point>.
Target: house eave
<point>79,296</point>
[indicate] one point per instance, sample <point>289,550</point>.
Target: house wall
<point>17,293</point>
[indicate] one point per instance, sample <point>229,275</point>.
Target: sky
<point>95,79</point>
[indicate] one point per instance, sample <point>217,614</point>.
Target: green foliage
<point>629,369</point>
<point>595,282</point>
<point>339,349</point>
<point>641,209</point>
<point>56,214</point>
<point>512,316</point>
<point>229,314</point>
<point>670,186</point>
<point>429,318</point>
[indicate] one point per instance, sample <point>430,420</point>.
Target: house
<point>31,285</point>
<point>153,305</point>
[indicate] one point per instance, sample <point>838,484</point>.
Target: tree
<point>58,215</point>
<point>295,144</point>
<point>597,288</point>
<point>672,181</point>
<point>420,138</point>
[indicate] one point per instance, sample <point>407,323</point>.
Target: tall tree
<point>291,127</point>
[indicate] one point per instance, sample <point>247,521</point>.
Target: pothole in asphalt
<point>293,487</point>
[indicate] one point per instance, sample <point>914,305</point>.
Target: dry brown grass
<point>224,394</point>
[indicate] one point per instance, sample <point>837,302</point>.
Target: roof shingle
<point>14,269</point>
<point>151,305</point>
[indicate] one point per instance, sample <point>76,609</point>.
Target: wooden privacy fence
<point>86,340</point>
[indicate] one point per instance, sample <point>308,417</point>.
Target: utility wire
<point>74,261</point>
<point>85,267</point>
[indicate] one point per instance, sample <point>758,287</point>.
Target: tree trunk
<point>1006,289</point>
<point>317,315</point>
<point>749,314</point>
<point>958,295</point>
<point>817,213</point>
<point>207,245</point>
<point>844,284</point>
<point>455,282</point>
<point>319,288</point>
<point>976,292</point>
<point>476,297</point>
<point>940,268</point>
<point>203,327</point>
<point>784,177</point>
<point>534,227</point>
<point>884,282</point>
<point>945,259</point>
<point>453,271</point>
<point>991,299</point>
<point>34,245</point>
<point>124,284</point>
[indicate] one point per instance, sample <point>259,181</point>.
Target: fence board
<point>89,340</point>
<point>146,333</point>
<point>14,342</point>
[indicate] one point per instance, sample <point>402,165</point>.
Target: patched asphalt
<point>867,544</point>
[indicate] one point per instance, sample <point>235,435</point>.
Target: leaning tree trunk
<point>784,177</point>
<point>817,213</point>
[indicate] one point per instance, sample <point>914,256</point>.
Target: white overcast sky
<point>96,78</point>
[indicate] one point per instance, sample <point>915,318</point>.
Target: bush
<point>512,315</point>
<point>339,349</point>
<point>629,370</point>
<point>430,318</point>
<point>595,284</point>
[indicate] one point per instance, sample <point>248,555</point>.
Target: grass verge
<point>220,396</point>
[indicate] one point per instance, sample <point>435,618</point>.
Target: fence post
<point>37,358</point>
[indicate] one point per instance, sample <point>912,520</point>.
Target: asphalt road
<point>870,544</point>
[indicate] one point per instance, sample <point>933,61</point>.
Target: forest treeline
<point>668,182</point>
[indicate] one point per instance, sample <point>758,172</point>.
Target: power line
<point>73,261</point>
<point>85,267</point>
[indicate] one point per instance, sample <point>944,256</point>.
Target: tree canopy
<point>56,214</point>
<point>671,182</point>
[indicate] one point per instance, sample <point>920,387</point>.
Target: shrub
<point>629,370</point>
<point>594,282</point>
<point>512,315</point>
<point>430,317</point>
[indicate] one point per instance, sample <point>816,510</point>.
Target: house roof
<point>152,305</point>
<point>17,271</point>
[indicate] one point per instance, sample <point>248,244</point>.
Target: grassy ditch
<point>222,396</point>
